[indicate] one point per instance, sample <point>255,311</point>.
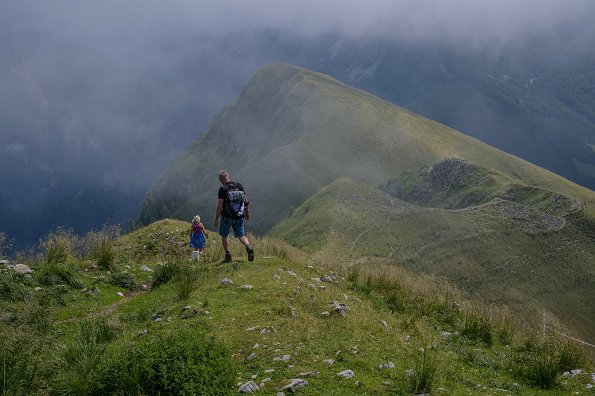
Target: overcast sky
<point>129,22</point>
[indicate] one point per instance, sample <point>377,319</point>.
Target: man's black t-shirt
<point>223,195</point>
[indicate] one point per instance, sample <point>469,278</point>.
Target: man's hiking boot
<point>250,253</point>
<point>227,258</point>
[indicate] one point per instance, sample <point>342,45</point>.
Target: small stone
<point>389,365</point>
<point>248,387</point>
<point>346,374</point>
<point>326,278</point>
<point>226,281</point>
<point>266,330</point>
<point>322,288</point>
<point>295,384</point>
<point>357,384</point>
<point>340,308</point>
<point>120,294</point>
<point>246,287</point>
<point>308,374</point>
<point>330,362</point>
<point>446,334</point>
<point>144,268</point>
<point>251,357</point>
<point>293,311</point>
<point>409,372</point>
<point>383,322</point>
<point>156,317</point>
<point>253,328</point>
<point>284,358</point>
<point>589,386</point>
<point>325,314</point>
<point>38,289</point>
<point>291,273</point>
<point>280,394</point>
<point>256,346</point>
<point>268,371</point>
<point>23,269</point>
<point>5,262</point>
<point>576,372</point>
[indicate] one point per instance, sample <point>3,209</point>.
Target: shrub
<point>185,285</point>
<point>99,331</point>
<point>181,363</point>
<point>123,279</point>
<point>18,363</point>
<point>13,286</point>
<point>477,326</point>
<point>540,362</point>
<point>423,378</point>
<point>55,274</point>
<point>60,245</point>
<point>166,272</point>
<point>104,254</point>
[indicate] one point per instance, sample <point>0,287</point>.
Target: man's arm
<point>218,212</point>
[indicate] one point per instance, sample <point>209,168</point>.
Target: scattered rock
<point>446,334</point>
<point>291,273</point>
<point>354,350</point>
<point>280,394</point>
<point>340,308</point>
<point>389,365</point>
<point>144,268</point>
<point>346,374</point>
<point>308,374</point>
<point>322,287</point>
<point>256,346</point>
<point>295,384</point>
<point>383,322</point>
<point>589,387</point>
<point>357,384</point>
<point>284,358</point>
<point>330,362</point>
<point>226,281</point>
<point>251,357</point>
<point>120,294</point>
<point>268,371</point>
<point>253,328</point>
<point>248,387</point>
<point>325,314</point>
<point>266,330</point>
<point>189,312</point>
<point>246,287</point>
<point>572,373</point>
<point>23,269</point>
<point>292,311</point>
<point>409,372</point>
<point>5,262</point>
<point>156,317</point>
<point>326,278</point>
<point>38,289</point>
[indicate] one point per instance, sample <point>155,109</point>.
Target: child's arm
<point>204,230</point>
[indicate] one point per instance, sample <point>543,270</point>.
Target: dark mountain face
<point>74,117</point>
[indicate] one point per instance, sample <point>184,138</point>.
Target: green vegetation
<point>193,335</point>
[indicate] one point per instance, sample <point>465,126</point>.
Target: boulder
<point>248,387</point>
<point>346,374</point>
<point>295,384</point>
<point>23,269</point>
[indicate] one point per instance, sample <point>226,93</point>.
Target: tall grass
<point>423,378</point>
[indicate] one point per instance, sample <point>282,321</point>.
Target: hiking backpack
<point>235,201</point>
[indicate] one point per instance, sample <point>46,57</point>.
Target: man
<point>232,207</point>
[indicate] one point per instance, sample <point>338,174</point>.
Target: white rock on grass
<point>248,387</point>
<point>308,374</point>
<point>330,362</point>
<point>346,374</point>
<point>144,268</point>
<point>23,269</point>
<point>226,281</point>
<point>389,365</point>
<point>295,384</point>
<point>246,287</point>
<point>284,358</point>
<point>251,357</point>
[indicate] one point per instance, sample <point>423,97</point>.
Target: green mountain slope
<point>292,131</point>
<point>180,330</point>
<point>534,256</point>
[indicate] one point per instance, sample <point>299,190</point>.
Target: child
<point>197,234</point>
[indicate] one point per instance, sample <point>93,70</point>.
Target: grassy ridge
<point>103,342</point>
<point>495,250</point>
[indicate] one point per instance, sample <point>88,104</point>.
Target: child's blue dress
<point>197,241</point>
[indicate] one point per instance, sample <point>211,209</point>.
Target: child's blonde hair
<point>196,219</point>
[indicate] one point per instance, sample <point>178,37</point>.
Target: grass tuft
<point>423,378</point>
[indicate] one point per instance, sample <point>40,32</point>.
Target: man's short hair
<point>223,175</point>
